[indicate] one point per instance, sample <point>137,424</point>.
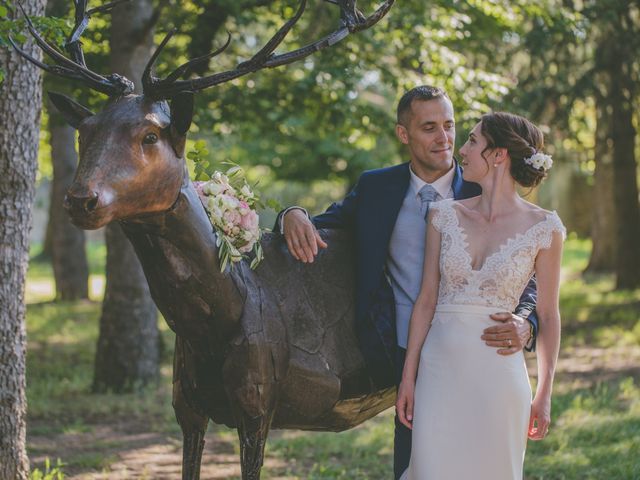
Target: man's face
<point>429,132</point>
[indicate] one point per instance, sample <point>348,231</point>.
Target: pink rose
<point>249,221</point>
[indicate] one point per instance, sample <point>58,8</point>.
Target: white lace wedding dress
<point>472,405</point>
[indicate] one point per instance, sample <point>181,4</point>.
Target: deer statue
<point>255,349</point>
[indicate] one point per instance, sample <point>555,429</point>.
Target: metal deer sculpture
<point>274,347</point>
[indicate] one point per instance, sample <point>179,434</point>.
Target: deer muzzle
<point>86,207</point>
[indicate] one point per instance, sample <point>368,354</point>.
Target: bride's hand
<point>404,403</point>
<point>540,417</point>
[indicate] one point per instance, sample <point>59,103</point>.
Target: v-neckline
<point>501,247</point>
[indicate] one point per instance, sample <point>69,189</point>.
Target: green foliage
<point>49,473</point>
<point>596,435</point>
<point>198,156</point>
<point>14,27</point>
<point>332,115</point>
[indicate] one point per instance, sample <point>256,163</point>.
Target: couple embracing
<point>446,293</point>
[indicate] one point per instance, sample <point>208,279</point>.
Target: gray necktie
<point>427,194</point>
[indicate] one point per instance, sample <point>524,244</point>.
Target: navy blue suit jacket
<point>370,212</point>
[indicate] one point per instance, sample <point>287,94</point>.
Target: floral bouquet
<point>231,206</point>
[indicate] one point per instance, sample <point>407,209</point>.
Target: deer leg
<point>192,422</point>
<point>192,445</point>
<point>253,437</point>
<point>193,427</point>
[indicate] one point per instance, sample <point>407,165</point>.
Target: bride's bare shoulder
<point>536,212</point>
<point>467,203</point>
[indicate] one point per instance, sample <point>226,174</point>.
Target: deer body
<point>262,344</point>
<point>257,328</point>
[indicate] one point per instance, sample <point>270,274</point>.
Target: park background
<point>99,400</point>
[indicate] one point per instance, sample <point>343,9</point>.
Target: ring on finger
<point>509,343</point>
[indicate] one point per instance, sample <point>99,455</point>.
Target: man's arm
<point>527,309</point>
<point>338,215</point>
<point>300,231</point>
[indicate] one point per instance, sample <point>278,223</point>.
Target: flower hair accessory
<point>539,160</point>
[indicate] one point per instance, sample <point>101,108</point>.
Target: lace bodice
<point>503,275</point>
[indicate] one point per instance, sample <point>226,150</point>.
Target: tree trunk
<point>20,99</point>
<point>614,56</point>
<point>627,258</point>
<point>69,259</point>
<point>128,351</point>
<point>603,226</point>
<point>127,356</point>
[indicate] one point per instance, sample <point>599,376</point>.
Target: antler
<point>351,21</point>
<point>76,68</point>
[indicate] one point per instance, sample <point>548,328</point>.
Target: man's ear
<point>402,134</point>
<point>181,116</point>
<point>71,111</point>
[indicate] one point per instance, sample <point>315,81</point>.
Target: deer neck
<point>178,252</point>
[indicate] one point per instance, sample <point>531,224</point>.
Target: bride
<point>470,409</point>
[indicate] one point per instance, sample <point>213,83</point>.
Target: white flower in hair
<point>539,160</point>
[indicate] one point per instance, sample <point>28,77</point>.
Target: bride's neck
<point>499,194</point>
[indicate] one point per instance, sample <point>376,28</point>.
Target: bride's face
<point>475,160</point>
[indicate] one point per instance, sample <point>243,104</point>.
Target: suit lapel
<point>461,188</point>
<point>458,182</point>
<point>391,201</point>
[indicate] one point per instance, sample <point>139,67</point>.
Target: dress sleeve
<point>554,224</point>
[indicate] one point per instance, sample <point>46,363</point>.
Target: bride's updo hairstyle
<point>521,138</point>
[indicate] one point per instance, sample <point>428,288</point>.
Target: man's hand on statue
<point>302,237</point>
<point>509,336</point>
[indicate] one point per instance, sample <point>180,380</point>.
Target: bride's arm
<point>420,322</point>
<point>548,273</point>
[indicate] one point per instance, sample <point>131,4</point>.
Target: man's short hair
<point>422,93</point>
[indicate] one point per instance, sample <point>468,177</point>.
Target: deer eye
<point>150,139</point>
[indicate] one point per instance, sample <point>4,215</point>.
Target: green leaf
<point>233,171</point>
<point>3,11</point>
<point>192,155</point>
<point>200,145</point>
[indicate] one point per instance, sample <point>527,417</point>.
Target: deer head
<point>131,153</point>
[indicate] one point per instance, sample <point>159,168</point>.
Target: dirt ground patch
<point>121,451</point>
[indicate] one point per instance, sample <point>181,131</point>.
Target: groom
<point>385,212</point>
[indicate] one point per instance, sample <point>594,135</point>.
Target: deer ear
<point>181,115</point>
<point>71,111</point>
<point>181,112</point>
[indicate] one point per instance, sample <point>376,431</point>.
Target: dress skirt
<point>472,405</point>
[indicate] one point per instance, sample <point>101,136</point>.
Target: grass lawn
<point>595,432</point>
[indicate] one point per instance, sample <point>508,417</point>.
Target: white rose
<point>246,191</point>
<point>213,188</point>
<point>228,202</point>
